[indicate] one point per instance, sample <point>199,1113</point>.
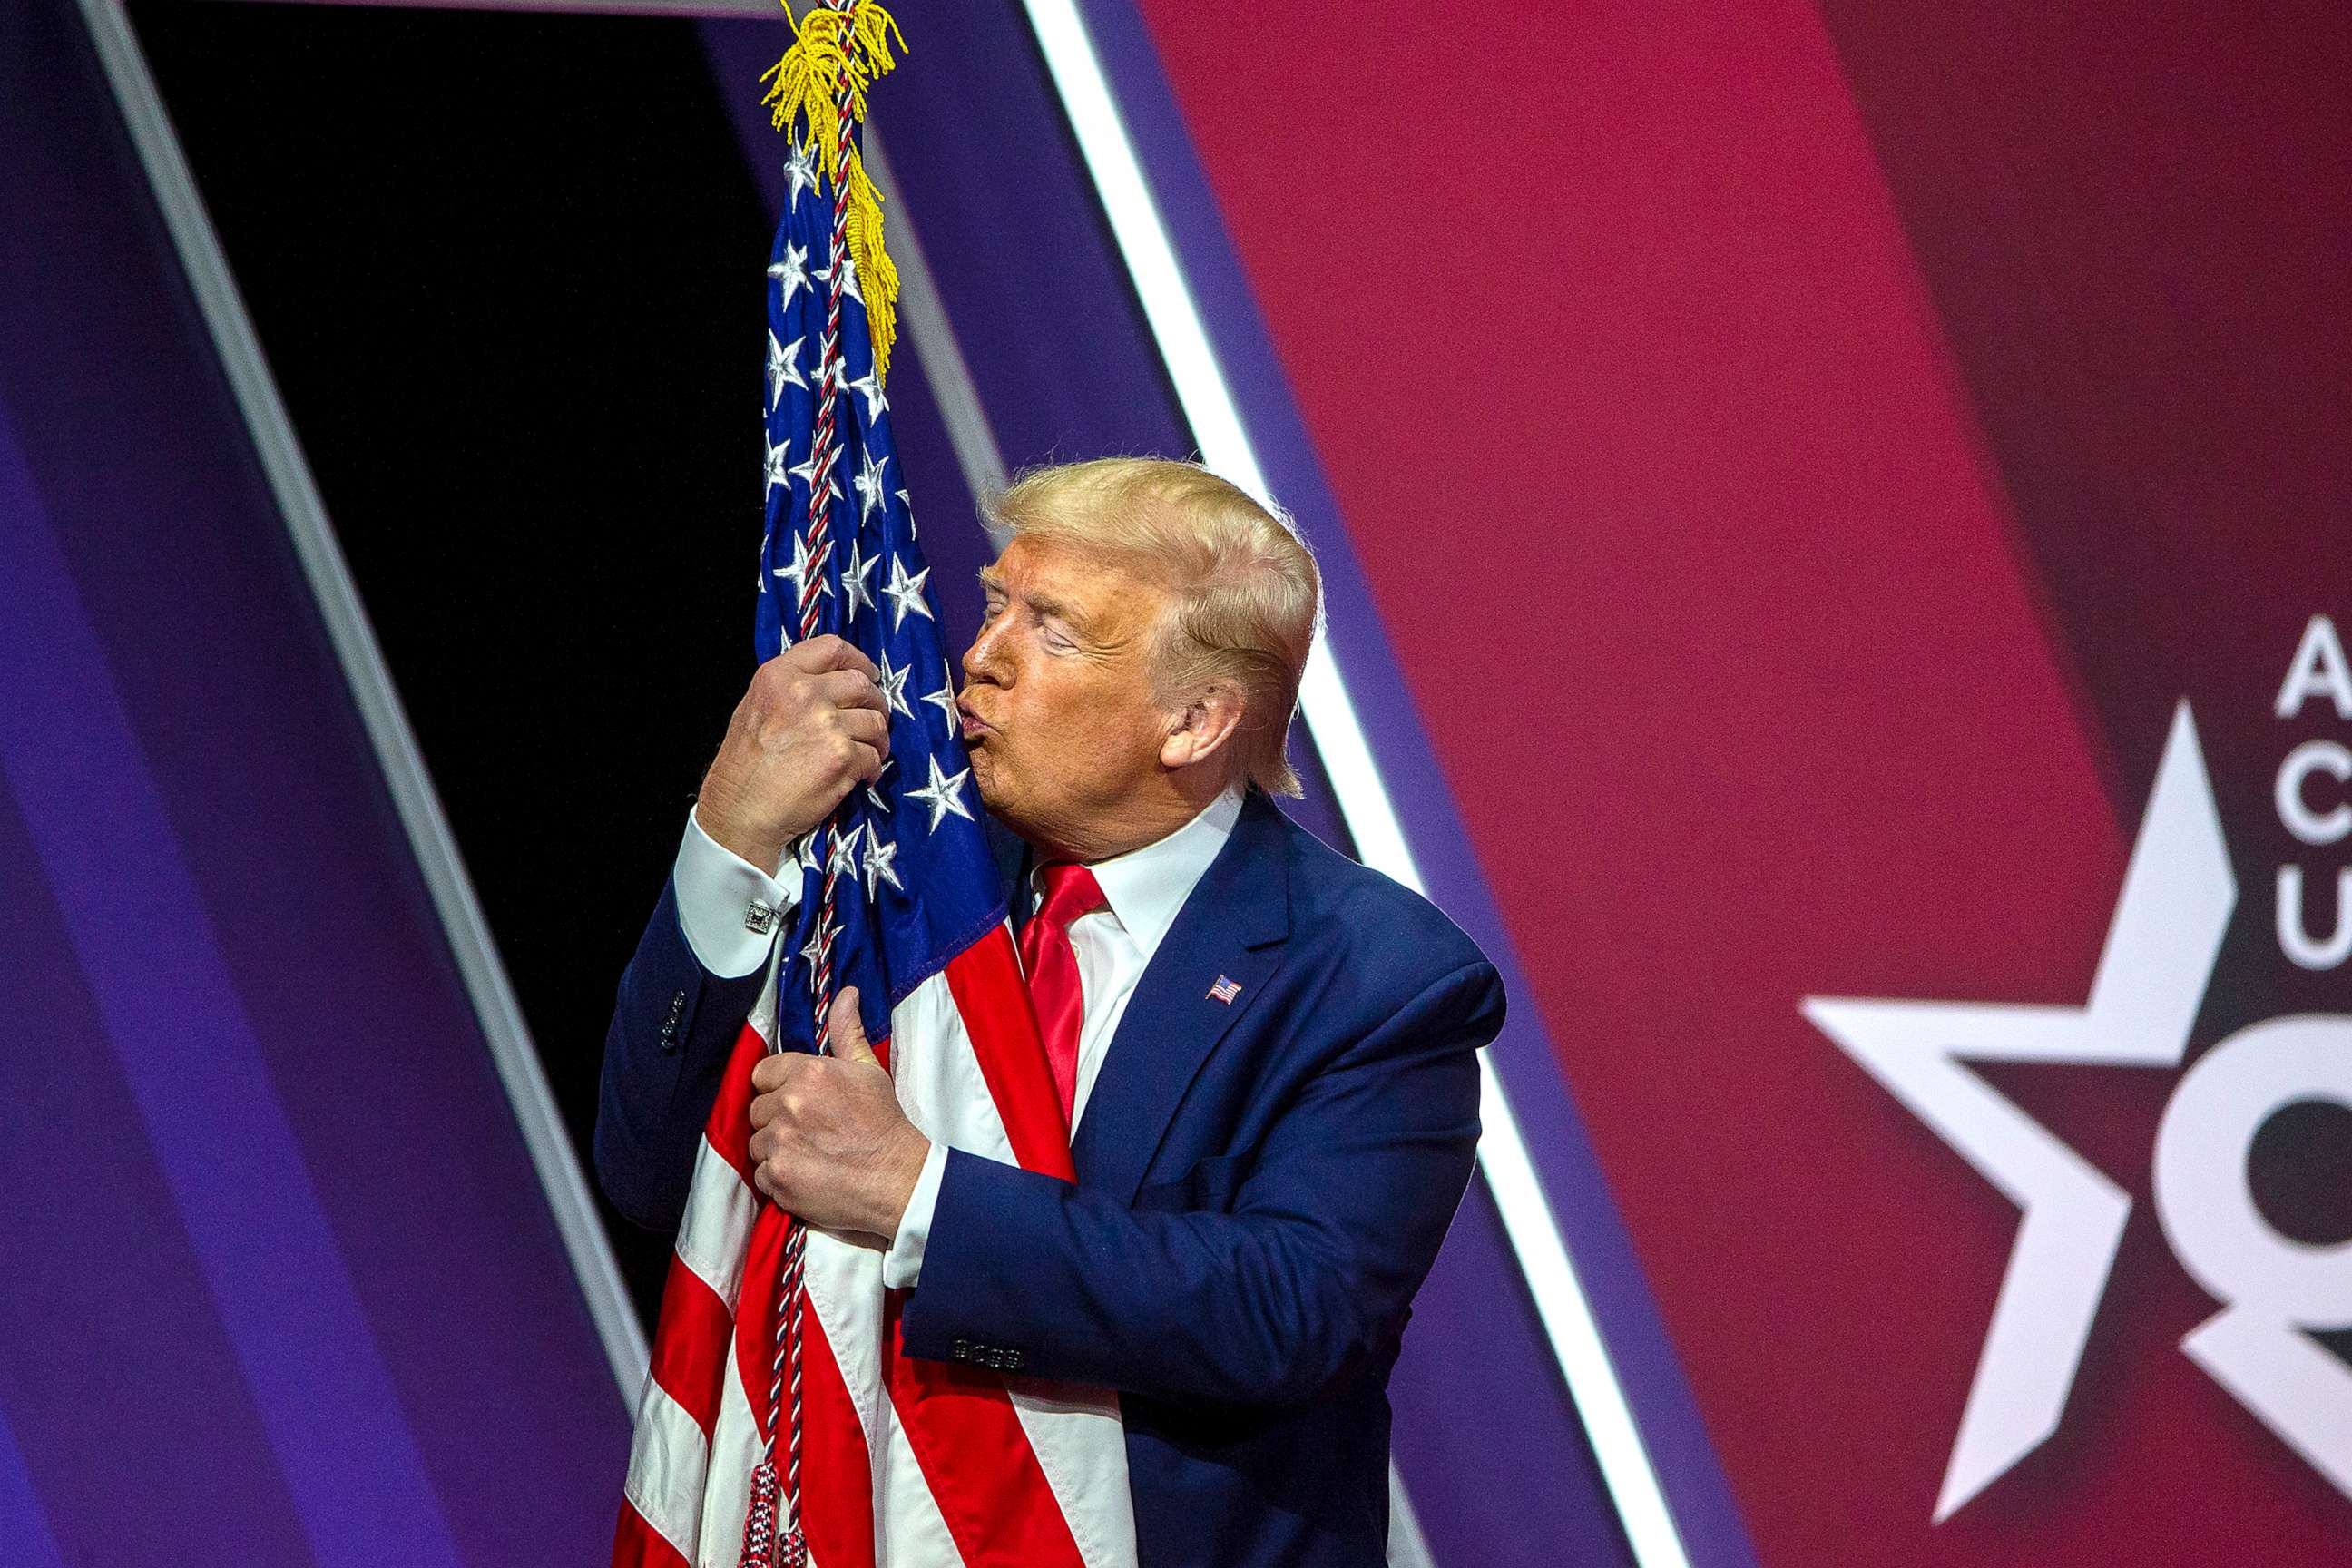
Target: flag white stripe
<point>719,1212</point>
<point>667,1465</point>
<point>916,1531</point>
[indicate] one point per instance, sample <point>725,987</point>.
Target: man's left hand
<point>830,1141</point>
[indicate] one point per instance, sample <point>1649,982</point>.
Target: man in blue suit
<point>1266,1051</point>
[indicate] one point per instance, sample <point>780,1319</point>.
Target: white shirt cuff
<point>729,909</point>
<point>903,1264</point>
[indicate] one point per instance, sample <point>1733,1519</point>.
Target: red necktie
<point>1051,965</point>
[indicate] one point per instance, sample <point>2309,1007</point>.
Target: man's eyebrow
<point>1046,604</point>
<point>1040,604</point>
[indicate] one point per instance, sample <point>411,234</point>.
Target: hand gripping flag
<point>780,1421</point>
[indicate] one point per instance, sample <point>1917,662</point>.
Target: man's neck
<point>1136,825</point>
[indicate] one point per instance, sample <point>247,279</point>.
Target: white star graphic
<point>800,174</point>
<point>906,505</point>
<point>783,368</point>
<point>805,852</point>
<point>805,565</point>
<point>943,794</point>
<point>906,592</point>
<point>879,857</point>
<point>791,273</point>
<point>2176,896</point>
<point>874,795</point>
<point>854,589</point>
<point>869,485</point>
<point>894,685</point>
<point>869,387</point>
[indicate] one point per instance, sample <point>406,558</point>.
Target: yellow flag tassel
<point>826,42</point>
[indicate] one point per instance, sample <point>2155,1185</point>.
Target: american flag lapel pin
<point>1225,990</point>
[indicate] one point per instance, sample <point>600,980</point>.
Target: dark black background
<point>507,271</point>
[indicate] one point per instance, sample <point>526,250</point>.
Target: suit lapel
<point>1232,928</point>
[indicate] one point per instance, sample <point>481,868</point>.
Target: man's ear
<point>1204,727</point>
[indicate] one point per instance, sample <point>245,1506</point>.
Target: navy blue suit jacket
<point>1262,1186</point>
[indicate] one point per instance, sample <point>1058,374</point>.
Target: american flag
<point>888,1458</point>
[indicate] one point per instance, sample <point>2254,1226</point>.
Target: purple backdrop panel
<point>324,1308</point>
<point>23,1529</point>
<point>197,1085</point>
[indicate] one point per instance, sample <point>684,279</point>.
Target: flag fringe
<point>826,44</point>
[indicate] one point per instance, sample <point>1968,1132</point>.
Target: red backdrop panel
<point>1719,611</point>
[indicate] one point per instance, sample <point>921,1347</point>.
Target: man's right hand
<point>812,726</point>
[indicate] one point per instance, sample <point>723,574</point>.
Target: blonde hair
<point>1246,597</point>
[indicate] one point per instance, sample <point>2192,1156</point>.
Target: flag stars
<point>944,697</point>
<point>878,856</point>
<point>800,174</point>
<point>855,588</point>
<point>943,794</point>
<point>779,452</point>
<point>821,936</point>
<point>893,683</point>
<point>790,272</point>
<point>843,274</point>
<point>844,853</point>
<point>807,565</point>
<point>783,368</point>
<point>906,594</point>
<point>868,484</point>
<point>869,387</point>
<point>806,474</point>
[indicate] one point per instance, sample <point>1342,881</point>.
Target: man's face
<point>1057,697</point>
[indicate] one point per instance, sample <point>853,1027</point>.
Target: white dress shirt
<point>1143,889</point>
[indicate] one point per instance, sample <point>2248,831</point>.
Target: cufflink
<point>759,917</point>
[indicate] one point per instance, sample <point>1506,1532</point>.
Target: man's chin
<point>1003,803</point>
<point>984,779</point>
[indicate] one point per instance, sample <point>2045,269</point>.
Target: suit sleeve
<point>1308,1276</point>
<point>682,1001</point>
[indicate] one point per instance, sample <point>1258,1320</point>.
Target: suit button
<point>962,1349</point>
<point>1012,1361</point>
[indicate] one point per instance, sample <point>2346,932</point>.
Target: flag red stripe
<point>836,1476</point>
<point>976,1459</point>
<point>636,1544</point>
<point>730,1125</point>
<point>993,1000</point>
<point>690,1351</point>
